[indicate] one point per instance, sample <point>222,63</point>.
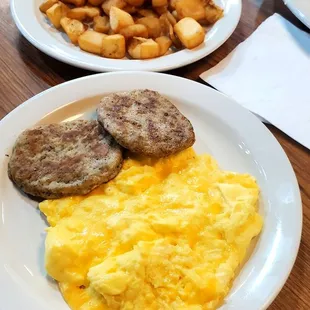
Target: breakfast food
<point>145,122</point>
<point>143,29</point>
<point>164,234</point>
<point>56,160</point>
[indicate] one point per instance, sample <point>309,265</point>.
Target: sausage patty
<point>145,122</point>
<point>56,160</point>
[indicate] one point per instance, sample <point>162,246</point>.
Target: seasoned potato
<point>46,5</point>
<point>95,2</point>
<point>152,24</point>
<point>213,13</point>
<point>130,9</point>
<point>119,19</point>
<point>91,41</point>
<point>136,30</point>
<point>164,44</point>
<point>172,4</point>
<point>156,3</point>
<point>114,46</point>
<point>75,2</point>
<point>56,13</point>
<point>73,28</point>
<point>135,2</point>
<point>171,18</point>
<point>141,48</point>
<point>190,32</point>
<point>107,4</point>
<point>167,30</point>
<point>190,8</point>
<point>147,13</point>
<point>175,15</point>
<point>101,24</point>
<point>82,13</point>
<point>161,9</point>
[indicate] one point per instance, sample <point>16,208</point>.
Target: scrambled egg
<point>164,234</point>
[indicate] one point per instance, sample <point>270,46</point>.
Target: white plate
<point>230,133</point>
<point>35,28</point>
<point>301,9</point>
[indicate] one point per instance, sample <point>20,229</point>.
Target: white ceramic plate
<point>236,138</point>
<point>301,9</point>
<point>35,28</point>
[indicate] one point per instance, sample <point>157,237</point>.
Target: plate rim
<point>253,119</point>
<point>134,64</point>
<point>297,13</point>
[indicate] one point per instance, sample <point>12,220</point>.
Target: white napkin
<point>269,74</point>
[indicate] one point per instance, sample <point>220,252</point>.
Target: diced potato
<point>135,2</point>
<point>73,28</point>
<point>114,46</point>
<point>140,48</point>
<point>95,2</point>
<point>56,13</point>
<point>46,5</point>
<point>161,9</point>
<point>157,3</point>
<point>171,19</point>
<point>119,19</point>
<point>213,13</point>
<point>190,32</point>
<point>130,9</point>
<point>91,41</point>
<point>147,13</point>
<point>152,24</point>
<point>82,13</point>
<point>172,4</point>
<point>175,40</point>
<point>101,24</point>
<point>75,2</point>
<point>175,15</point>
<point>164,44</point>
<point>190,8</point>
<point>107,4</point>
<point>136,30</point>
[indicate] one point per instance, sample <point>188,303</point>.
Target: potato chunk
<point>152,24</point>
<point>75,2</point>
<point>107,4</point>
<point>141,48</point>
<point>56,13</point>
<point>46,5</point>
<point>82,13</point>
<point>91,41</point>
<point>136,30</point>
<point>101,24</point>
<point>147,13</point>
<point>73,28</point>
<point>114,46</point>
<point>164,44</point>
<point>135,2</point>
<point>95,2</point>
<point>157,3</point>
<point>213,13</point>
<point>190,8</point>
<point>190,32</point>
<point>119,19</point>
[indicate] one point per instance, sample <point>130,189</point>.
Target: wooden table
<point>25,71</point>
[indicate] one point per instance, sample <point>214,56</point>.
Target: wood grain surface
<point>25,71</point>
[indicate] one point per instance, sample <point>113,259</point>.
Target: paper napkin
<point>269,74</point>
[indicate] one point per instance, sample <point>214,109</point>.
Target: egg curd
<point>164,234</point>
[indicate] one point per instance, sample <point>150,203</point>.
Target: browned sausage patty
<point>56,160</point>
<point>145,122</point>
